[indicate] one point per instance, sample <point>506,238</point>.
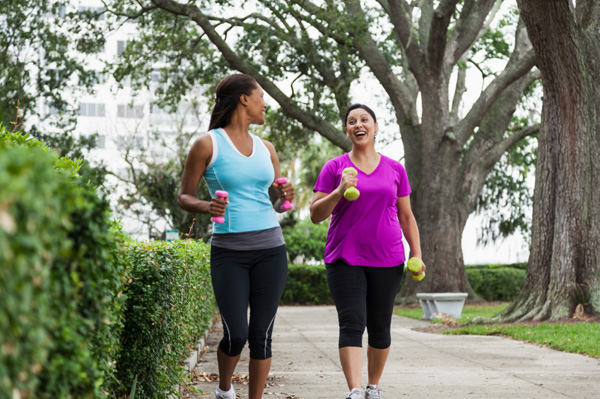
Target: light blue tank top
<point>247,180</point>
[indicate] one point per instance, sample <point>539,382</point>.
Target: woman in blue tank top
<point>248,255</point>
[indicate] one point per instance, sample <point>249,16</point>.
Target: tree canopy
<point>310,57</point>
<point>42,46</point>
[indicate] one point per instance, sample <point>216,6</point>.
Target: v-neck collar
<point>363,172</point>
<point>226,136</point>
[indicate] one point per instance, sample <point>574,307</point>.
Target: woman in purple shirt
<point>364,254</point>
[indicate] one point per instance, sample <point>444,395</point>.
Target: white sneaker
<point>373,392</point>
<point>220,394</point>
<point>356,394</point>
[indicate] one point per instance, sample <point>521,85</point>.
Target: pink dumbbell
<point>287,205</point>
<point>222,195</point>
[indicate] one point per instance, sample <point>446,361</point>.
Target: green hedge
<point>497,282</point>
<point>85,310</point>
<point>169,306</point>
<point>306,285</point>
<point>60,277</point>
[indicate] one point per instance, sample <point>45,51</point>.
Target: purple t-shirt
<point>366,232</point>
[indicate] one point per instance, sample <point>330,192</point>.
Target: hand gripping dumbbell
<point>287,205</point>
<point>414,266</point>
<point>351,192</point>
<point>222,195</point>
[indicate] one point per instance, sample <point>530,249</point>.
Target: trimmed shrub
<point>305,241</point>
<point>306,285</point>
<point>60,277</point>
<point>169,306</point>
<point>496,282</point>
<point>520,265</point>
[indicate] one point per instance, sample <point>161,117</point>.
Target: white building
<point>131,128</point>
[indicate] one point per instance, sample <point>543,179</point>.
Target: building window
<point>128,142</point>
<point>121,44</point>
<point>91,109</point>
<point>100,78</point>
<point>51,110</point>
<point>96,12</point>
<point>128,111</point>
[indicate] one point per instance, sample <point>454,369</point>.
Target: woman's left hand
<point>286,191</point>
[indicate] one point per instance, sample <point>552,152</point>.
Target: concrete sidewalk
<point>421,365</point>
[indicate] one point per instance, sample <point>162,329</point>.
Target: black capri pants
<point>241,278</point>
<point>364,296</point>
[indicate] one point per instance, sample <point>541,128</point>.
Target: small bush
<point>496,282</point>
<point>60,277</point>
<point>306,285</point>
<point>169,306</point>
<point>305,241</point>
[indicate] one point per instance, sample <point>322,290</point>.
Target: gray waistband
<point>249,240</point>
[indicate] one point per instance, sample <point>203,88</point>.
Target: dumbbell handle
<point>287,205</point>
<point>222,195</point>
<point>414,266</point>
<point>351,193</point>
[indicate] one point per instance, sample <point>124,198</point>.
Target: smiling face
<point>361,127</point>
<point>256,106</point>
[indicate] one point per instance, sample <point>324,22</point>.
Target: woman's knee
<point>232,345</point>
<point>380,339</point>
<point>351,335</point>
<point>260,347</point>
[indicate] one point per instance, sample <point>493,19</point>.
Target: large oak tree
<point>308,55</point>
<point>564,264</point>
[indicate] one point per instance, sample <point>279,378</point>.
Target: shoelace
<point>356,394</point>
<point>373,392</point>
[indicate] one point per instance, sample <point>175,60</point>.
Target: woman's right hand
<point>349,179</point>
<point>217,206</point>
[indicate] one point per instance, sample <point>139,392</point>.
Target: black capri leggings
<point>241,278</point>
<point>364,296</point>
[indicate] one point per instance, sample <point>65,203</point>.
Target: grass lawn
<point>568,336</point>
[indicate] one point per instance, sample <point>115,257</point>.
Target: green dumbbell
<point>351,192</point>
<point>414,266</point>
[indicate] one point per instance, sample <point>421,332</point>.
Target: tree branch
<point>309,120</point>
<point>489,143</point>
<point>129,17</point>
<point>438,34</point>
<point>401,18</point>
<point>588,14</point>
<point>398,92</point>
<point>514,70</point>
<point>517,136</point>
<point>459,91</point>
<point>425,21</point>
<point>469,26</point>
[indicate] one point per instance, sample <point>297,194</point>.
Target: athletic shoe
<point>373,392</point>
<point>219,394</point>
<point>356,394</point>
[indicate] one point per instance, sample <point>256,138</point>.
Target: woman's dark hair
<point>227,97</point>
<point>361,106</point>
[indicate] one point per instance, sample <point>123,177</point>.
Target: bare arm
<point>193,171</point>
<point>323,204</point>
<point>409,227</point>
<point>285,191</point>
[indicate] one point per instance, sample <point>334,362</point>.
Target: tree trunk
<point>565,250</point>
<point>437,204</point>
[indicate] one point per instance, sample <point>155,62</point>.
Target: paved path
<point>421,365</point>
